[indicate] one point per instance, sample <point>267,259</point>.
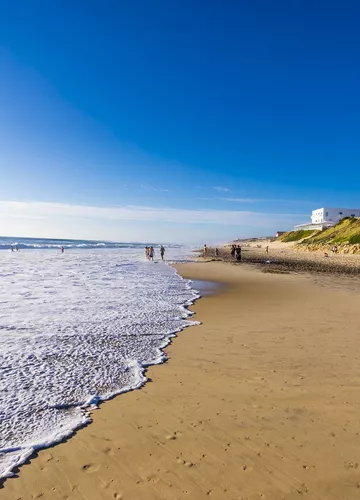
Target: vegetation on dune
<point>345,235</point>
<point>296,235</point>
<point>355,239</point>
<point>345,231</point>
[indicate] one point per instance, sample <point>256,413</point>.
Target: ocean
<point>78,328</point>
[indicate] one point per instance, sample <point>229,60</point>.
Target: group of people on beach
<point>150,252</point>
<point>205,251</point>
<point>236,252</point>
<point>16,248</point>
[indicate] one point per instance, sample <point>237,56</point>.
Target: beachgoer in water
<point>238,253</point>
<point>151,253</point>
<point>12,248</point>
<point>62,249</point>
<point>147,253</point>
<point>17,248</point>
<point>162,252</point>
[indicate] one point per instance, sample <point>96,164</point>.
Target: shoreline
<point>26,454</point>
<point>259,401</point>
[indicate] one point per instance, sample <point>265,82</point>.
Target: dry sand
<point>261,401</point>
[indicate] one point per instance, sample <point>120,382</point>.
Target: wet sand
<point>261,401</point>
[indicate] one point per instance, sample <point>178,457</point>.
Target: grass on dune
<point>347,230</point>
<point>296,235</point>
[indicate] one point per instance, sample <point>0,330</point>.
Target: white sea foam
<point>77,328</point>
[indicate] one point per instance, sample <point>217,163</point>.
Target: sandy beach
<point>288,257</point>
<point>261,401</point>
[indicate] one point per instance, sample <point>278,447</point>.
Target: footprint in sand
<point>174,435</point>
<point>153,479</point>
<point>90,468</point>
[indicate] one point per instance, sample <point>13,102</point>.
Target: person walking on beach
<point>233,249</point>
<point>62,249</point>
<point>205,250</point>
<point>151,253</point>
<point>267,249</point>
<point>162,252</point>
<point>238,253</point>
<point>216,252</point>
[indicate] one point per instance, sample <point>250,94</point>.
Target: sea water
<point>77,328</point>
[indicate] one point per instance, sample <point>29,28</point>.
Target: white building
<point>321,218</point>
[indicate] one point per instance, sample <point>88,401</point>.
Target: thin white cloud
<point>249,200</point>
<point>24,216</point>
<point>264,200</point>
<point>221,188</point>
<point>54,211</point>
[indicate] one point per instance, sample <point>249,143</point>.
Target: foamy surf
<point>77,329</point>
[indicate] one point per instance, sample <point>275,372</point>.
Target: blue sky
<point>176,121</point>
